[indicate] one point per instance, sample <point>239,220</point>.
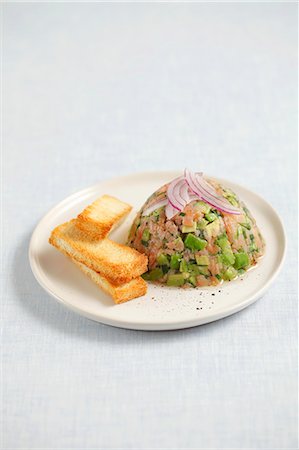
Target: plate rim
<point>143,325</point>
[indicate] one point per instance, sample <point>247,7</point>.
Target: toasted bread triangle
<point>118,263</point>
<point>120,294</point>
<point>98,219</point>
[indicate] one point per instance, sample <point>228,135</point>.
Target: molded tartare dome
<point>200,245</point>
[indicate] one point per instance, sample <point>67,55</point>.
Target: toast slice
<point>120,294</point>
<point>98,219</point>
<point>118,263</point>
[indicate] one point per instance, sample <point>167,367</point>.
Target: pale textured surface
<point>97,90</point>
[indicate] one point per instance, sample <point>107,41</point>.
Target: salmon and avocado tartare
<point>195,233</point>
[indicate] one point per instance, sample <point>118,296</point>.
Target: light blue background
<point>92,91</point>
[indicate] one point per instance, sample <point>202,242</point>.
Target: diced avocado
<point>146,234</point>
<point>239,231</point>
<point>212,229</point>
<point>145,237</point>
<point>183,266</point>
<point>163,260</point>
<point>210,216</point>
<point>230,274</point>
<point>175,261</point>
<point>145,276</point>
<point>241,260</point>
<point>223,243</point>
<point>156,214</point>
<point>192,280</point>
<point>202,260</point>
<point>203,207</point>
<point>195,243</point>
<point>246,225</point>
<point>176,279</point>
<point>165,269</point>
<point>253,247</point>
<point>201,225</point>
<point>232,200</point>
<point>227,257</point>
<point>179,240</point>
<point>186,229</point>
<point>155,274</point>
<point>203,270</point>
<point>193,269</point>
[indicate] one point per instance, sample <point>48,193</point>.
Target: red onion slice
<point>207,193</point>
<point>170,211</point>
<point>158,204</point>
<point>174,193</point>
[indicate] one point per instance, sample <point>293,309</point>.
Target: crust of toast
<point>116,262</point>
<point>98,219</point>
<point>120,294</point>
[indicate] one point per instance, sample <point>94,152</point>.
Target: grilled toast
<point>99,218</point>
<point>118,263</point>
<point>120,294</point>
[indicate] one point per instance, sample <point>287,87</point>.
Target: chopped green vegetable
<point>192,280</point>
<point>155,274</point>
<point>202,260</point>
<point>165,269</point>
<point>202,224</point>
<point>227,258</point>
<point>145,276</point>
<point>232,200</point>
<point>195,243</point>
<point>230,274</point>
<point>253,247</point>
<point>146,235</point>
<point>175,261</point>
<point>246,225</point>
<point>186,229</point>
<point>162,260</point>
<point>183,266</point>
<point>176,279</point>
<point>223,242</point>
<point>203,207</point>
<point>210,217</point>
<point>212,229</point>
<point>241,260</point>
<point>178,240</point>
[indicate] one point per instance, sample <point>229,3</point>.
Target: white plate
<point>163,308</point>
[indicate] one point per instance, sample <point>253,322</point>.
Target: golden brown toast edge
<point>99,230</point>
<point>120,294</point>
<point>115,273</point>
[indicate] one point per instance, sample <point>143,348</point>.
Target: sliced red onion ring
<point>207,193</point>
<point>176,194</point>
<point>158,204</point>
<point>170,211</point>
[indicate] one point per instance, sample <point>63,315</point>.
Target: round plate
<point>162,308</point>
